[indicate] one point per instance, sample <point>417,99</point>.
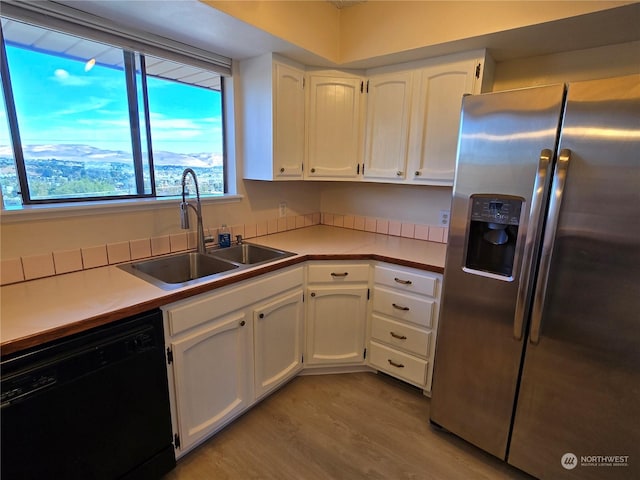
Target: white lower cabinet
<point>278,330</point>
<point>229,347</point>
<point>404,323</point>
<point>337,297</point>
<point>210,376</point>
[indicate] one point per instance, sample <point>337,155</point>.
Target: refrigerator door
<point>505,149</point>
<point>578,409</point>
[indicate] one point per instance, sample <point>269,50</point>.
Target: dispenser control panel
<point>505,211</point>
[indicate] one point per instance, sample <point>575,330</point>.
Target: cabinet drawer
<point>421,283</point>
<point>404,307</point>
<point>414,340</point>
<point>401,365</point>
<point>338,273</point>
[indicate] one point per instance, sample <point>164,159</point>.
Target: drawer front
<point>420,283</point>
<point>409,308</point>
<point>412,339</point>
<point>398,364</point>
<point>338,273</point>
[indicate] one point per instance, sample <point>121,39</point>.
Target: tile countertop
<point>37,311</point>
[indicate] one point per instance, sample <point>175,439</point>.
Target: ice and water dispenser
<point>492,233</point>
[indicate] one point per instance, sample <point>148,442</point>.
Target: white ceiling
<point>194,23</point>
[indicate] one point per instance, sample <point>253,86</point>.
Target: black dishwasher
<point>91,406</point>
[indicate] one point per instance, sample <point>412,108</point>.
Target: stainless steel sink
<point>249,254</point>
<point>179,270</point>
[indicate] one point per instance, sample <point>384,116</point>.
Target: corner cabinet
<point>228,348</point>
<point>273,113</point>
<point>337,295</point>
<point>334,126</point>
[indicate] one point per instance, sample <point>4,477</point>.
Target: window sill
<point>78,209</point>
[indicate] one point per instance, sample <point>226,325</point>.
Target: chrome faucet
<point>184,209</point>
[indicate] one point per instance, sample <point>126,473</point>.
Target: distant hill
<point>87,153</point>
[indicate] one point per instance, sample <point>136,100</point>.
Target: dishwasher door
<point>95,406</point>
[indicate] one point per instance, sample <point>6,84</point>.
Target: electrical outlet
<point>444,218</point>
<point>283,209</point>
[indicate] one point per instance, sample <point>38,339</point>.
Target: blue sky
<point>59,101</point>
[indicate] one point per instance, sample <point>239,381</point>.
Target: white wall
<point>588,64</point>
<point>406,203</point>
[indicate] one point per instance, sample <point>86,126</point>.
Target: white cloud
<point>66,79</point>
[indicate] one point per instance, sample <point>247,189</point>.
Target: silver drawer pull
<point>400,307</point>
<point>394,364</point>
<point>403,282</point>
<point>399,337</point>
<point>343,274</point>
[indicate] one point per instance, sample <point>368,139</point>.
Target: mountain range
<point>87,153</point>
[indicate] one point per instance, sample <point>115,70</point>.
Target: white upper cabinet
<point>334,126</point>
<point>387,125</point>
<point>273,107</point>
<point>435,119</point>
<point>413,117</point>
<point>399,125</point>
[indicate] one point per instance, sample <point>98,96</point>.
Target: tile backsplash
<point>30,267</point>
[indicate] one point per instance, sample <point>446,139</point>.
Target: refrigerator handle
<point>557,191</point>
<point>532,240</point>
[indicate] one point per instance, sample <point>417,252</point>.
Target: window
<point>84,120</point>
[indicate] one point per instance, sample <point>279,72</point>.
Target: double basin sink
<point>182,269</point>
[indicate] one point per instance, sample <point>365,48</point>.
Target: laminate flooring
<point>344,426</point>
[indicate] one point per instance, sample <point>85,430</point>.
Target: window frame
<point>133,102</point>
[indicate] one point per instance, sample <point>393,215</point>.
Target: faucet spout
<point>184,209</point>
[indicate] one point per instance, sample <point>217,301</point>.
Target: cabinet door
<point>435,124</point>
<point>288,115</point>
<point>211,372</point>
<point>387,130</point>
<point>277,331</point>
<point>334,128</point>
<point>336,319</point>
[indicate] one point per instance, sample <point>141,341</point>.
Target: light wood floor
<point>348,426</point>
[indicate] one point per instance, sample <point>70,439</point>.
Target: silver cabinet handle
<point>557,191</point>
<point>540,188</point>
<point>400,307</point>
<point>394,364</point>
<point>403,282</point>
<point>399,337</point>
<point>343,274</point>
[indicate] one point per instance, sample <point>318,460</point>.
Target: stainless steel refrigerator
<point>538,350</point>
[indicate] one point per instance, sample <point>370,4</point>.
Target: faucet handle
<point>184,215</point>
<point>239,239</point>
